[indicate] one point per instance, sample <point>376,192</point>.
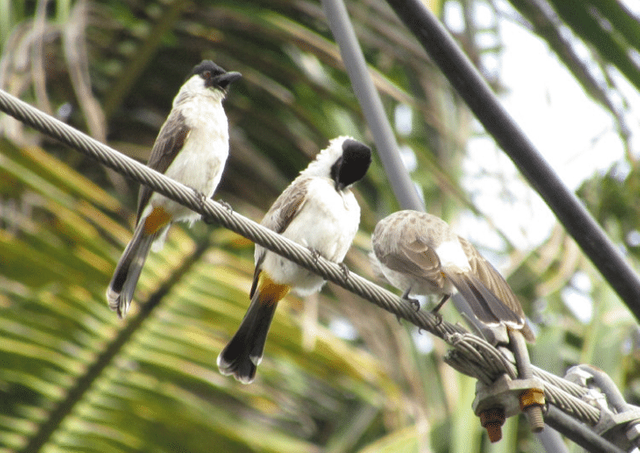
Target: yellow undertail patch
<point>156,220</point>
<point>269,291</point>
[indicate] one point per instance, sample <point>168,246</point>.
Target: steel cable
<point>471,355</point>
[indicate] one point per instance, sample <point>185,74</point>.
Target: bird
<point>192,148</point>
<point>317,210</point>
<point>420,254</point>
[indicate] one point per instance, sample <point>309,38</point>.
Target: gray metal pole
<point>403,188</point>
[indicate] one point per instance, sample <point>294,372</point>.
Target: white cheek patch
<point>452,255</point>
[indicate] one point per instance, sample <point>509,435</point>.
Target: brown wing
<point>169,142</point>
<point>280,215</point>
<point>287,206</point>
<point>413,257</point>
<point>489,278</point>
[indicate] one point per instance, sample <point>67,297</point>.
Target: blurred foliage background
<point>339,375</point>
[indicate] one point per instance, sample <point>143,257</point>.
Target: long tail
<point>151,228</point>
<point>125,278</point>
<point>487,307</point>
<point>243,354</point>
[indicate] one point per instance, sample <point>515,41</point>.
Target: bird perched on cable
<point>192,148</point>
<point>317,210</point>
<point>419,253</point>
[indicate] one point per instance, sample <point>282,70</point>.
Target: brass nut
<point>531,397</point>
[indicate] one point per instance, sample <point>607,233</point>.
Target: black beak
<point>226,79</point>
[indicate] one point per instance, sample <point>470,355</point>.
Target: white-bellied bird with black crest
<point>319,211</point>
<point>192,148</point>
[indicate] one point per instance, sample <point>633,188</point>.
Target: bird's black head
<point>214,76</point>
<point>352,165</point>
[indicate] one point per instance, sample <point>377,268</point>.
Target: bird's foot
<point>414,302</point>
<point>202,201</point>
<point>344,269</point>
<point>316,255</point>
<point>438,316</point>
<point>226,205</point>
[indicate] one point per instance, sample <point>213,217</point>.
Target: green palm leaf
<point>74,377</point>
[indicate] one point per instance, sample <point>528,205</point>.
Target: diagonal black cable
<point>482,101</point>
<point>560,392</point>
<point>575,431</point>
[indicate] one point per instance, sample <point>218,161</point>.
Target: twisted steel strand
<point>473,355</point>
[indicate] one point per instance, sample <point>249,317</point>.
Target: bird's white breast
<point>327,223</point>
<point>201,161</point>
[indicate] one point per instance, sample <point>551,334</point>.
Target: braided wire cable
<point>213,211</point>
<point>571,405</point>
<point>471,355</point>
<point>477,358</point>
<point>567,386</point>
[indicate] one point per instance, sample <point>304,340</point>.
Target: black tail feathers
<point>243,354</point>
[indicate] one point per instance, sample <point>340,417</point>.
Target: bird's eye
<point>207,74</point>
